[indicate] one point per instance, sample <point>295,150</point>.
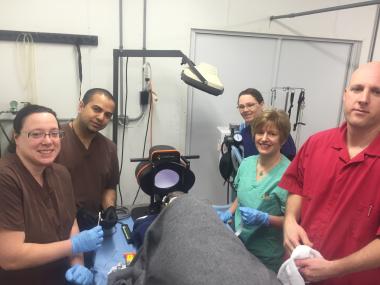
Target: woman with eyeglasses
<point>250,105</point>
<point>39,238</point>
<point>258,210</point>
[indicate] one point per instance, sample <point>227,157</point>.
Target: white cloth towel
<point>288,273</point>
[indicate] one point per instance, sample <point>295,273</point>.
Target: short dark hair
<point>278,118</point>
<point>91,92</point>
<point>254,93</point>
<point>29,109</point>
<point>22,114</point>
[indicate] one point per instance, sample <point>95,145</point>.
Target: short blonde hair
<point>278,118</point>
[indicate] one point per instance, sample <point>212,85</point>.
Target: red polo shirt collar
<point>339,144</point>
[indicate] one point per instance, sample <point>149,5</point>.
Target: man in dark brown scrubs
<point>92,161</point>
<point>39,238</point>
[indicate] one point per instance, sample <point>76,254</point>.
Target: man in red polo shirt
<point>334,191</point>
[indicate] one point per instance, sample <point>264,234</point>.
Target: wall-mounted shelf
<point>50,38</point>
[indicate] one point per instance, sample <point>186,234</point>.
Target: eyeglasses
<point>39,134</point>
<point>249,106</point>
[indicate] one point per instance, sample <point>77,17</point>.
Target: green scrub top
<point>265,242</point>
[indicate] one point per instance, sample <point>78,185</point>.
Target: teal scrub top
<point>265,242</point>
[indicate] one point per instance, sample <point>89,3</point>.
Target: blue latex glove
<point>254,217</point>
<point>88,240</point>
<point>225,216</point>
<point>78,274</point>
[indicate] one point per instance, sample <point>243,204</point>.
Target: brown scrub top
<point>46,214</point>
<point>92,170</point>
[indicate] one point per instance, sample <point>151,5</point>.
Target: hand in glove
<point>88,240</point>
<point>78,274</point>
<point>109,218</point>
<point>225,216</point>
<point>254,217</point>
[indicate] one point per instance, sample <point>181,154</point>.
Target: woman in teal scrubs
<point>260,204</point>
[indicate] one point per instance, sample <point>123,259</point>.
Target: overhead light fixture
<point>204,77</point>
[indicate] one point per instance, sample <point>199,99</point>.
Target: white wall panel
<point>262,62</point>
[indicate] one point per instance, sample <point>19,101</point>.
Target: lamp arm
<point>147,159</point>
<point>191,64</point>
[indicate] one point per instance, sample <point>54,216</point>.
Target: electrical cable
<point>124,127</point>
<point>148,87</point>
<point>124,120</point>
<point>123,212</point>
<point>147,75</point>
<point>150,114</point>
<point>145,138</point>
<point>26,65</point>
<point>147,71</point>
<point>151,120</point>
<point>5,133</point>
<point>136,195</point>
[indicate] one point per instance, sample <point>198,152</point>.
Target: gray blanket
<point>186,245</point>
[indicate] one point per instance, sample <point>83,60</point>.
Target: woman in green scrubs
<point>259,208</point>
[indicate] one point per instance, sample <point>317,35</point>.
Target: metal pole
<point>144,46</point>
<point>144,27</point>
<point>116,56</point>
<point>374,34</point>
<point>348,6</point>
<point>121,60</point>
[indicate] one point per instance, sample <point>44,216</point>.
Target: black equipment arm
<point>117,53</point>
<point>147,159</point>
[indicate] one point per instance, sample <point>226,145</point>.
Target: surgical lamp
<point>163,172</point>
<point>203,76</point>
